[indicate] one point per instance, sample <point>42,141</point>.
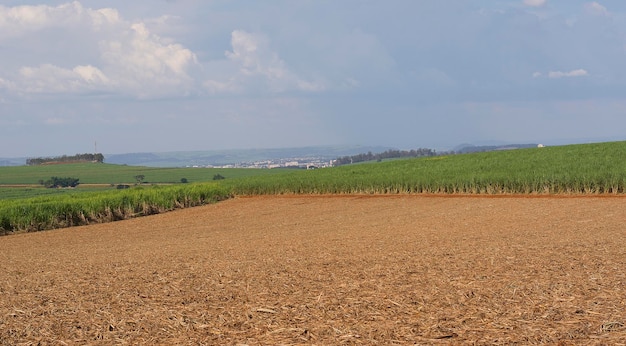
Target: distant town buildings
<point>293,162</point>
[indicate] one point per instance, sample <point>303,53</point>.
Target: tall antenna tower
<point>95,147</point>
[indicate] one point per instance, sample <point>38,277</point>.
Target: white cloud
<point>20,20</point>
<point>91,74</point>
<point>104,16</point>
<point>573,73</point>
<point>535,3</point>
<point>49,78</point>
<point>594,8</point>
<point>141,60</point>
<point>126,57</point>
<point>6,84</point>
<point>561,74</point>
<point>121,57</point>
<point>254,64</point>
<point>253,53</point>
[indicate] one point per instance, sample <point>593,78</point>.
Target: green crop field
<point>21,192</point>
<point>23,181</point>
<point>102,173</point>
<point>48,212</point>
<point>575,169</point>
<point>589,168</point>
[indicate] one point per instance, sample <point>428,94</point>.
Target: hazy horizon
<point>353,148</point>
<point>193,75</point>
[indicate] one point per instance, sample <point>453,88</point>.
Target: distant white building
<point>540,146</point>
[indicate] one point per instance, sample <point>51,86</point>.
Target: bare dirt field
<point>327,270</point>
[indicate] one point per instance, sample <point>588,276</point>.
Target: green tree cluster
<point>66,159</point>
<point>389,154</point>
<point>56,182</point>
<point>140,178</point>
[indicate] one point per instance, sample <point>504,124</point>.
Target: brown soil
<point>326,270</point>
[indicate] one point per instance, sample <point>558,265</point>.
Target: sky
<point>124,76</point>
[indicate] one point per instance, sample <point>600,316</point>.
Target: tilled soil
<point>327,270</point>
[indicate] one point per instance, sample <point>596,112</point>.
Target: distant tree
<point>140,178</point>
<point>55,182</point>
<point>218,177</point>
<point>389,154</point>
<point>184,180</point>
<point>66,159</point>
<point>98,158</point>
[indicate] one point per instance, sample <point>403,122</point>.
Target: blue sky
<point>177,75</point>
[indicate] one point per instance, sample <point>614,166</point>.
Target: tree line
<point>56,182</point>
<point>65,159</point>
<point>389,154</point>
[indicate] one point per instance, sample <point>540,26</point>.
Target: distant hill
<point>234,156</point>
<point>17,161</point>
<point>469,148</point>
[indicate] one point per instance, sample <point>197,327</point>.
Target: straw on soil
<point>326,270</point>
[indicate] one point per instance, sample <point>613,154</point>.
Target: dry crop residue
<point>326,270</point>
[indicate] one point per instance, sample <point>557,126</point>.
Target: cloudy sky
<point>172,75</point>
